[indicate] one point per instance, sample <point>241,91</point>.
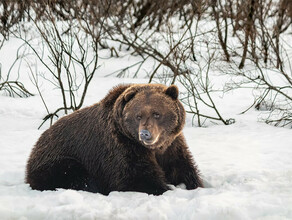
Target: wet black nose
<point>145,135</point>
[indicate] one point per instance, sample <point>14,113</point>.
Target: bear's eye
<point>139,117</point>
<point>156,115</point>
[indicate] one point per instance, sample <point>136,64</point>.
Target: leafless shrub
<point>272,91</point>
<point>70,57</point>
<point>275,98</point>
<point>219,13</point>
<point>198,97</point>
<point>11,13</point>
<point>173,50</point>
<point>165,33</point>
<point>13,87</point>
<point>261,28</point>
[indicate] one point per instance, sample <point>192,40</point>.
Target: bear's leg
<point>145,176</point>
<point>179,166</point>
<point>66,173</point>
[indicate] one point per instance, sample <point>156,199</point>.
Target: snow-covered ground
<point>246,166</point>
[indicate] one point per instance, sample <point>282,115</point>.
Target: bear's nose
<point>145,135</point>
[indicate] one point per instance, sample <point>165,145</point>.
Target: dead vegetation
<point>172,33</point>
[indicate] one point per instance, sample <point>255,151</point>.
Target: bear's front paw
<point>193,183</point>
<point>158,191</point>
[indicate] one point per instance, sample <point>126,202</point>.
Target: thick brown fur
<point>99,149</point>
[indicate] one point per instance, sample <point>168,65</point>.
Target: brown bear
<point>130,141</point>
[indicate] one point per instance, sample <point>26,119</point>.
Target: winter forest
<point>230,59</point>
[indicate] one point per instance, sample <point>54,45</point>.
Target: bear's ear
<point>129,95</point>
<point>172,91</point>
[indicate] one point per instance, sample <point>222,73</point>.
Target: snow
<point>246,166</point>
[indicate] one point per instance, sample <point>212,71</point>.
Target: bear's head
<point>150,114</point>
